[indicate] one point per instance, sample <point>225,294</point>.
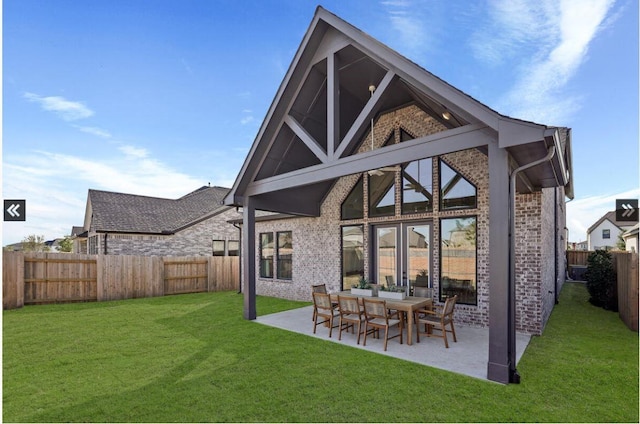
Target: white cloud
<point>132,152</point>
<point>65,109</point>
<point>99,132</point>
<point>583,213</point>
<point>408,23</point>
<point>550,40</point>
<point>246,120</point>
<point>55,186</point>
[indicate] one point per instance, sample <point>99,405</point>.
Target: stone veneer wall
<point>317,241</point>
<point>195,240</point>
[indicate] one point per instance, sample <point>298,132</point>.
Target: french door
<point>402,254</point>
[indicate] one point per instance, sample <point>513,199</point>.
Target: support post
<point>249,258</point>
<point>500,365</point>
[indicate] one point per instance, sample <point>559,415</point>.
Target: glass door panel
<point>417,262</point>
<point>386,255</point>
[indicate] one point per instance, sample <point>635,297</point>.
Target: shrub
<point>601,280</point>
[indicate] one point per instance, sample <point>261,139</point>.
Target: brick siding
<point>195,240</point>
<point>317,241</point>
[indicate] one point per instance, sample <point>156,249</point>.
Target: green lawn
<point>193,358</point>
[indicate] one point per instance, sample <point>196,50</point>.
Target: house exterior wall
<point>631,243</point>
<point>317,241</point>
<point>595,240</point>
<point>195,240</point>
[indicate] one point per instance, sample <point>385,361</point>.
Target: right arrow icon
<point>627,210</point>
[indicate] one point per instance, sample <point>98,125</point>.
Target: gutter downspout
<point>106,235</point>
<point>514,377</point>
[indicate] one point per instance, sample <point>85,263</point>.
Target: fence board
<point>626,266</point>
<point>185,275</point>
<point>36,278</point>
<point>57,277</point>
<point>577,257</point>
<point>12,280</point>
<point>627,271</point>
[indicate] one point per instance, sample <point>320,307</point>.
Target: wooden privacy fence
<point>626,267</point>
<point>37,278</point>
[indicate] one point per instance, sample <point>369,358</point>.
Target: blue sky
<point>160,97</point>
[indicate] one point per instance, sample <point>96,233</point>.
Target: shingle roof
<point>121,212</point>
<point>77,231</point>
<point>611,216</point>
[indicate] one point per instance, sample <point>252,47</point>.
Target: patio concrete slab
<point>469,356</point>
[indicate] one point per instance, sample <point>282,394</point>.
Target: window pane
<point>353,205</point>
<point>417,239</point>
<point>266,255</point>
<point>218,248</point>
<point>405,136</point>
<point>352,255</point>
<point>234,248</point>
<point>285,255</point>
<point>458,259</point>
<point>382,193</point>
<point>455,191</point>
<point>417,186</point>
<point>386,256</point>
<point>606,234</point>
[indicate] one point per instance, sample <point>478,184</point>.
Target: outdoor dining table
<point>408,306</point>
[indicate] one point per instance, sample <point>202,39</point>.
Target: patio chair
<point>422,291</point>
<point>437,320</point>
<point>320,288</point>
<point>350,315</point>
<point>378,317</point>
<point>322,308</point>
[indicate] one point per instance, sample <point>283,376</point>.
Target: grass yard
<point>193,358</point>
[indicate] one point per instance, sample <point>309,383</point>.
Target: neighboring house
<point>394,173</point>
<point>630,238</point>
<point>79,238</point>
<point>127,224</point>
<point>604,233</point>
<point>581,245</point>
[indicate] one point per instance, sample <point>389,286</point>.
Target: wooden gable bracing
<point>340,81</point>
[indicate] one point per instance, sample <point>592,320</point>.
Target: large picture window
<point>266,255</point>
<point>458,259</point>
<point>284,255</point>
<point>352,255</point>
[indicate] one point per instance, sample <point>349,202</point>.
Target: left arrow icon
<point>14,210</point>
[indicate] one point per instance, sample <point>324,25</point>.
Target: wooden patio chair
<point>437,320</point>
<point>320,288</point>
<point>351,315</point>
<point>322,308</point>
<point>419,291</point>
<point>377,317</point>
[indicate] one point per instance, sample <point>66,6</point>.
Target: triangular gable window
<point>382,193</point>
<point>353,205</point>
<point>417,187</point>
<point>456,192</point>
<point>405,136</point>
